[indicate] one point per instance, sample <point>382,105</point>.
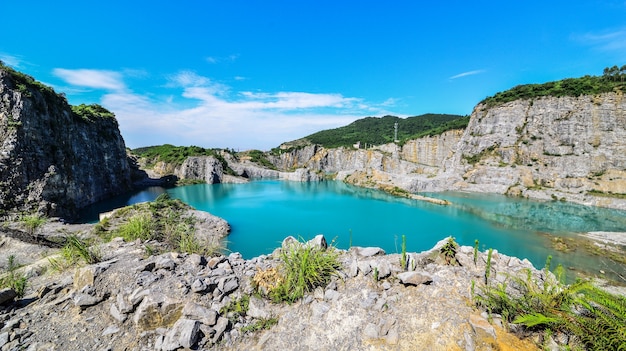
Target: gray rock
<point>7,295</point>
<point>368,251</point>
<point>156,310</point>
<point>214,261</point>
<point>85,300</point>
<point>371,331</point>
<point>415,278</point>
<point>123,305</point>
<point>228,284</point>
<point>289,243</point>
<point>383,267</point>
<point>482,328</point>
<point>164,263</point>
<point>4,339</point>
<point>184,333</point>
<point>319,242</point>
<point>116,314</point>
<point>112,329</point>
<point>220,328</point>
<point>198,286</point>
<point>137,296</point>
<point>146,278</point>
<point>256,308</point>
<point>331,295</point>
<point>201,313</point>
<point>353,268</point>
<point>364,267</point>
<point>195,260</point>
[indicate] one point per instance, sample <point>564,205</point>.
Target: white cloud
<point>210,115</point>
<point>614,40</point>
<point>468,73</point>
<point>91,78</point>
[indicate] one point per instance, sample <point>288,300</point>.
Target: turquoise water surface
<point>263,213</point>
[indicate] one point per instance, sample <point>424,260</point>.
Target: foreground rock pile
<point>171,301</point>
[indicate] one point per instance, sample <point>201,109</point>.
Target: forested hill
<point>380,130</point>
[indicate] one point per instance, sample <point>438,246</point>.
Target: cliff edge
<point>54,158</point>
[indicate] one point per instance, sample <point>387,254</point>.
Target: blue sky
<point>253,74</point>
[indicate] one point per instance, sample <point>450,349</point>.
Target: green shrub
<point>32,222</point>
<point>448,251</point>
<point>13,279</point>
<point>262,324</point>
<point>595,317</point>
<point>304,268</point>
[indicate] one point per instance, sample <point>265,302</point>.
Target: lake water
<point>263,213</point>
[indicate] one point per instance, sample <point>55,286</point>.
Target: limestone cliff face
<point>569,148</point>
<point>52,160</point>
<point>206,168</point>
<point>566,147</point>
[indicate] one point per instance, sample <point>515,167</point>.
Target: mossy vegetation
<point>257,156</point>
<point>25,84</point>
<point>613,79</point>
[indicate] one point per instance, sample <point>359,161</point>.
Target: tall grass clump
<point>403,255</point>
<point>592,318</point>
<point>137,227</point>
<point>303,268</point>
<point>32,222</point>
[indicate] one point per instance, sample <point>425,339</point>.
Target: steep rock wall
<point>566,147</point>
<point>51,160</point>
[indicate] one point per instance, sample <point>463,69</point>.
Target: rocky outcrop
<point>52,160</point>
<point>173,301</point>
<point>207,168</point>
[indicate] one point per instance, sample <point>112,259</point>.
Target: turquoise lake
<point>263,213</point>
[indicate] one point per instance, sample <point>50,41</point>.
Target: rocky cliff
<point>568,148</point>
<point>53,160</point>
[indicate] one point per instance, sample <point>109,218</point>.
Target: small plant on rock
<point>448,251</point>
<point>13,279</point>
<point>403,257</point>
<point>32,223</point>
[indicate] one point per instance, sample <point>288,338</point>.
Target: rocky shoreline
<point>135,301</point>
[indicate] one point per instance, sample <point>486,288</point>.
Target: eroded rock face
<point>52,160</point>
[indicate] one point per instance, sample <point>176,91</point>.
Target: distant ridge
<point>380,130</point>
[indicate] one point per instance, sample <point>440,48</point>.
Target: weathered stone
<point>368,251</point>
<point>415,278</point>
<point>228,284</point>
<point>112,329</point>
<point>330,295</point>
<point>220,328</point>
<point>156,310</point>
<point>482,328</point>
<point>195,260</point>
<point>289,243</point>
<point>4,339</point>
<point>116,314</point>
<point>83,277</point>
<point>146,278</point>
<point>85,300</point>
<point>383,268</point>
<point>214,261</point>
<point>364,267</point>
<point>198,286</point>
<point>7,295</point>
<point>137,296</point>
<point>353,268</point>
<point>319,242</point>
<point>203,314</point>
<point>184,333</point>
<point>256,308</point>
<point>164,263</point>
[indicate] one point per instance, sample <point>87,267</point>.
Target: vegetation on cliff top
<point>380,130</point>
<point>613,79</point>
<point>176,155</point>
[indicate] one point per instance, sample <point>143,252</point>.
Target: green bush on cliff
<point>176,155</point>
<point>91,113</point>
<point>613,79</point>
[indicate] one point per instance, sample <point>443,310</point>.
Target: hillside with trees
<point>380,130</point>
<point>612,79</point>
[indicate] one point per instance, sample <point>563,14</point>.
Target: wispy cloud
<point>10,60</point>
<point>218,59</point>
<point>611,40</point>
<point>91,78</point>
<point>211,114</point>
<point>468,73</point>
